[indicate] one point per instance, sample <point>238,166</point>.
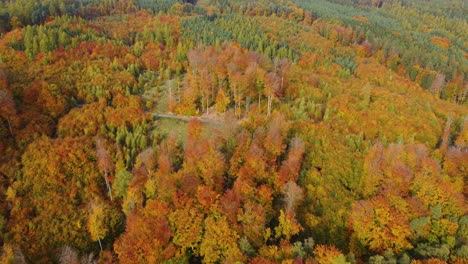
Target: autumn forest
<point>234,131</point>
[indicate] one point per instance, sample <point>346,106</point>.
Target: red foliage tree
<point>147,236</point>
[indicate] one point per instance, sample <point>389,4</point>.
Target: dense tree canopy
<point>233,131</point>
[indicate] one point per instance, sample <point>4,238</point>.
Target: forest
<point>234,131</point>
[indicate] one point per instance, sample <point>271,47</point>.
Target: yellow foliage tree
<point>380,226</point>
<point>288,226</point>
<point>96,226</point>
<point>219,242</point>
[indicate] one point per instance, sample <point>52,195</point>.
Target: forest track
<point>188,118</point>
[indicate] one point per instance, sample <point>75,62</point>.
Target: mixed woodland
<point>234,131</point>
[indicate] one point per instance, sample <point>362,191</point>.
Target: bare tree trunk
<point>9,127</point>
<point>235,109</point>
<point>446,135</point>
<point>282,83</point>
<point>239,107</point>
<point>100,245</point>
<point>269,106</point>
<point>178,91</point>
<point>235,102</point>
<point>108,186</point>
<point>240,103</point>
<point>170,90</point>
<point>212,94</point>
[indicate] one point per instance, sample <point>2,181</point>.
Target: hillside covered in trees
<point>234,131</point>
